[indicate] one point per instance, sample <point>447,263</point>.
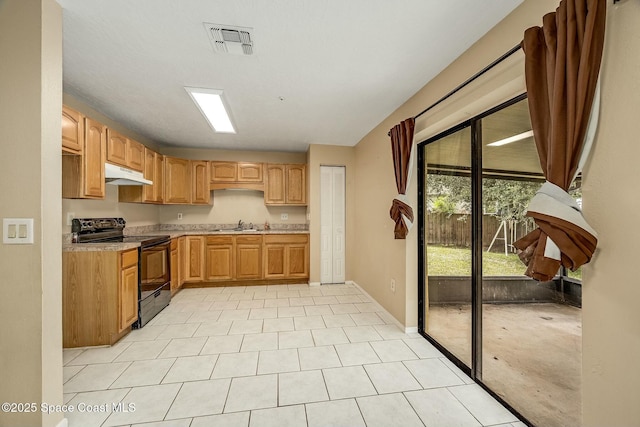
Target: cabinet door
<point>72,130</point>
<point>175,267</point>
<point>219,258</point>
<point>116,148</point>
<point>249,172</point>
<point>194,259</point>
<point>224,172</point>
<point>200,190</point>
<point>148,191</point>
<point>274,259</point>
<point>182,255</point>
<point>177,180</point>
<point>135,155</point>
<point>297,263</point>
<point>296,186</point>
<point>93,159</point>
<point>274,193</point>
<point>158,178</point>
<point>248,257</point>
<point>128,294</point>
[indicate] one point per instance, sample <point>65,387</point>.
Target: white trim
<point>409,330</point>
<point>314,283</point>
<point>63,423</point>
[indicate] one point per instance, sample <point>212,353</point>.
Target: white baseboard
<point>63,423</point>
<point>314,283</point>
<point>409,330</point>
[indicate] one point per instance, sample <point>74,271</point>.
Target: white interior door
<point>332,224</point>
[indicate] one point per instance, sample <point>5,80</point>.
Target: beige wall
<point>331,155</point>
<point>30,307</point>
<point>611,291</point>
<point>380,257</point>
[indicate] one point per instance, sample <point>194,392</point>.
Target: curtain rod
<point>471,79</point>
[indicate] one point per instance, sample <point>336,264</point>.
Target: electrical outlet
<point>70,216</point>
<point>179,215</point>
<point>393,285</point>
<point>284,217</point>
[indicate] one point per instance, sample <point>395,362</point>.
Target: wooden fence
<point>455,230</point>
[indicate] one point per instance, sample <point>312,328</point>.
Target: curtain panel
<point>562,63</point>
<point>401,211</point>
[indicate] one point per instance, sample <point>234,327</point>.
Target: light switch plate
<point>24,228</point>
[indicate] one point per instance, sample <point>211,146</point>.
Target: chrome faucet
<point>240,225</point>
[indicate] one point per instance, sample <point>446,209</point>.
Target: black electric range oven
<point>154,275</point>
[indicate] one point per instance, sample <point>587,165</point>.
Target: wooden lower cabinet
<point>219,258</point>
<point>248,257</point>
<point>182,255</point>
<point>245,258</point>
<point>286,256</point>
<point>195,258</point>
<point>99,296</point>
<point>175,265</point>
<point>128,290</point>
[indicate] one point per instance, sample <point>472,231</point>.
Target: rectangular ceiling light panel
<point>211,105</point>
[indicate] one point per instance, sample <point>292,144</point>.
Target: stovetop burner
<point>97,230</point>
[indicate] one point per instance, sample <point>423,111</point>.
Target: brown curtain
<point>401,146</point>
<point>562,61</point>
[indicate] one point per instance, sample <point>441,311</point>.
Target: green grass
<point>451,261</point>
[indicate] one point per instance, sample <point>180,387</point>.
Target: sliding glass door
<point>519,338</point>
<point>448,253</point>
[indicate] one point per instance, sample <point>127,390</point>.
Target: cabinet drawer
<point>174,244</point>
<point>286,238</point>
<point>129,258</point>
<point>244,240</point>
<point>220,240</point>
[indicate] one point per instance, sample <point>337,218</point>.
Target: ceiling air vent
<point>230,39</point>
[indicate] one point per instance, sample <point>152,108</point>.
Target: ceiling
<point>322,72</point>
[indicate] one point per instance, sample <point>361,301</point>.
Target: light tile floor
<point>286,355</point>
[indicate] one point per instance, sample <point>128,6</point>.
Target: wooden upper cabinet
<point>117,148</point>
<point>286,184</point>
<point>83,173</point>
<point>135,155</point>
<point>149,192</point>
<point>296,193</point>
<point>177,181</point>
<point>124,151</point>
<point>249,172</point>
<point>158,178</point>
<point>72,130</point>
<point>236,172</point>
<point>200,192</point>
<point>274,192</point>
<point>224,171</point>
<point>93,159</point>
<point>153,170</point>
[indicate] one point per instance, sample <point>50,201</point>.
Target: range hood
<point>117,175</point>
